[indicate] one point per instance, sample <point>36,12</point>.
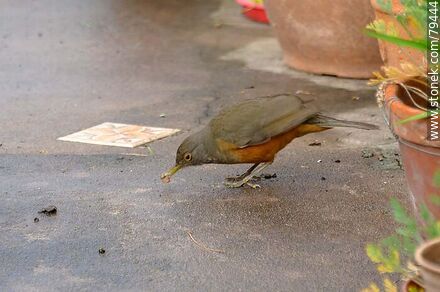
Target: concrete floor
<point>67,65</point>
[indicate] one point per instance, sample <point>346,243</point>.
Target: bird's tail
<point>325,121</point>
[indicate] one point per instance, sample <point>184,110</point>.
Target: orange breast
<point>266,152</point>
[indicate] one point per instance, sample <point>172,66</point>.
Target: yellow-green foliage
<point>388,286</point>
<point>406,72</point>
<point>412,20</point>
<point>390,254</point>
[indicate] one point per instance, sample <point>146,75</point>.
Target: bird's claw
<point>254,186</point>
<point>240,178</point>
<point>233,184</point>
<point>238,184</point>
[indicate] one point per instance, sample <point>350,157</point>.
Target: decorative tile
<point>122,135</point>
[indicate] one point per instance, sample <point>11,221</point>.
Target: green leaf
<point>372,288</point>
<point>385,5</point>
<point>425,214</point>
<point>389,285</point>
<point>390,263</point>
<point>409,231</point>
<point>435,199</point>
<point>374,253</point>
<point>409,246</point>
<point>392,242</point>
<point>430,227</point>
<point>420,116</point>
<point>394,259</point>
<point>409,228</point>
<point>421,45</point>
<point>436,179</point>
<point>399,212</point>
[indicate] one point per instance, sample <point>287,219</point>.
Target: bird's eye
<point>188,157</point>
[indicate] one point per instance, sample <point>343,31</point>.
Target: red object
<point>253,11</point>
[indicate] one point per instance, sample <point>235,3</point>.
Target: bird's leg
<point>254,170</point>
<point>242,176</point>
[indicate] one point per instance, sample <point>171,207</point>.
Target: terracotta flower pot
<point>392,54</point>
<point>420,157</point>
<point>325,37</point>
<point>428,257</point>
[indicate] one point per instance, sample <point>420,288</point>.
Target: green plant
<point>413,15</point>
<point>413,79</point>
<point>395,254</point>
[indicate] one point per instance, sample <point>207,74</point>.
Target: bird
<point>254,131</point>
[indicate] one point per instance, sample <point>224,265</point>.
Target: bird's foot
<point>240,178</point>
<point>233,179</point>
<point>247,177</point>
<point>240,183</point>
<point>233,184</point>
<point>254,186</point>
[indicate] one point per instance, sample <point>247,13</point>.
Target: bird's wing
<point>255,121</point>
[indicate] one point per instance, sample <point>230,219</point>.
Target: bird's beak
<point>166,177</point>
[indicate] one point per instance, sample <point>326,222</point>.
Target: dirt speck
<point>315,143</point>
<point>268,175</point>
<point>49,210</point>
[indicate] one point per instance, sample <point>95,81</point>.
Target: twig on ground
<point>202,246</point>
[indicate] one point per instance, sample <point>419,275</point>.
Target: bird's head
<point>191,152</point>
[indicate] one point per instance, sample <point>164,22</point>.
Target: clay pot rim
<point>396,105</point>
<point>407,283</point>
<point>395,109</point>
<point>420,255</point>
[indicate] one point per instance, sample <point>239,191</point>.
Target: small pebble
<point>323,178</point>
<point>319,161</point>
<point>101,251</point>
<point>337,161</point>
<point>162,115</point>
<point>36,219</point>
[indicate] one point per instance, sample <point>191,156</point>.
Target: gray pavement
<point>68,65</point>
